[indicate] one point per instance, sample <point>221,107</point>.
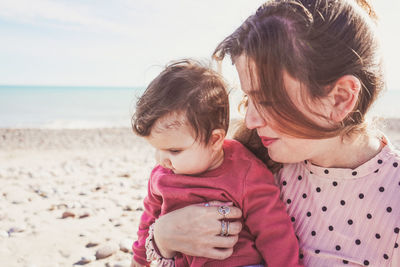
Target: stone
<point>67,214</point>
<point>126,245</point>
<point>106,251</point>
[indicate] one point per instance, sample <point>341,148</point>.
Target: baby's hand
<point>136,264</point>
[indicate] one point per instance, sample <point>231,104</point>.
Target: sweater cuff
<point>152,252</point>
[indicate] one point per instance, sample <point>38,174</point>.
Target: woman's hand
<point>195,230</point>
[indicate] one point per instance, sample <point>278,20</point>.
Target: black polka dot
<point>350,222</point>
<point>319,189</point>
<point>385,256</point>
<point>396,230</point>
<point>324,208</point>
<point>338,247</point>
<point>377,170</point>
<point>389,209</point>
<point>369,216</point>
<point>326,171</point>
<point>293,219</point>
<point>301,256</point>
<point>330,228</point>
<point>305,161</point>
<point>289,201</point>
<point>313,233</point>
<point>361,196</point>
<point>381,189</point>
<point>308,214</point>
<point>380,161</point>
<point>378,236</point>
<point>284,183</point>
<point>311,172</point>
<point>299,178</point>
<point>366,263</point>
<point>304,195</point>
<point>358,242</point>
<point>317,251</point>
<point>354,173</point>
<point>395,164</point>
<point>342,202</point>
<point>345,262</point>
<point>334,183</point>
<point>396,245</point>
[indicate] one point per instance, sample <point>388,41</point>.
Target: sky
<point>127,42</point>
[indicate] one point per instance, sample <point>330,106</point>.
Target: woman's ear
<point>217,138</point>
<point>343,97</point>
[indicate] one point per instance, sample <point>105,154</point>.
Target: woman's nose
<point>253,119</point>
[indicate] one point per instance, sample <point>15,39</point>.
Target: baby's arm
<point>265,216</point>
<point>152,208</point>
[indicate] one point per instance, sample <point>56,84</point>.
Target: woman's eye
<point>245,101</point>
<point>174,151</point>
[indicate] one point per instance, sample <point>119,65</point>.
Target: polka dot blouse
<point>346,217</point>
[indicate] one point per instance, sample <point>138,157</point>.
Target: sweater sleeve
<point>266,218</point>
<point>152,208</point>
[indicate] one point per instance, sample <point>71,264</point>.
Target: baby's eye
<point>174,151</point>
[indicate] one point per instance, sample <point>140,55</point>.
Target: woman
<point>310,70</point>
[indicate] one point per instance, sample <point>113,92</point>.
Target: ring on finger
<point>224,228</point>
<point>224,210</point>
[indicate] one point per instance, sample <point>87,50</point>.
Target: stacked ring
<point>224,228</point>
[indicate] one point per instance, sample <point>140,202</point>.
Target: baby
<point>184,115</point>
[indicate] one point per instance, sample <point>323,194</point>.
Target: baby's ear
<point>343,97</point>
<point>217,138</point>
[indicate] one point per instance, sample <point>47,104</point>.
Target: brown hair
<point>315,42</point>
<point>186,87</point>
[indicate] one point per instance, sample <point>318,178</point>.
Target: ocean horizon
<point>77,107</point>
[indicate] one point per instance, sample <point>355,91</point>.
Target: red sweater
<point>267,234</point>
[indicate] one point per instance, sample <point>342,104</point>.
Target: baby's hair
<point>315,42</point>
<point>186,88</point>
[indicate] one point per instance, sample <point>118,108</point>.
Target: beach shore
<point>69,195</point>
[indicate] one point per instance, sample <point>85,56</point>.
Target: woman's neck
<point>349,152</point>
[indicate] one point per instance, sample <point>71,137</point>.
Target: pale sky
<point>126,42</point>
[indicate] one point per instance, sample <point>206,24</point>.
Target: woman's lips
<point>268,140</point>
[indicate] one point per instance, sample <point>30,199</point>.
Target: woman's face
<point>281,147</point>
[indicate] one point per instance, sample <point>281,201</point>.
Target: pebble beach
<point>73,197</point>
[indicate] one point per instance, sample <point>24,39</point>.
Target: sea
<point>82,107</point>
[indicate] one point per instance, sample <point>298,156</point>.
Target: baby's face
<point>178,150</point>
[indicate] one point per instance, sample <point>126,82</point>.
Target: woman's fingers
<point>219,254</point>
<point>225,241</point>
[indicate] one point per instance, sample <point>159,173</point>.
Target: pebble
<point>16,229</point>
<point>126,244</point>
<point>84,215</point>
<point>92,244</point>
<point>67,214</point>
<point>85,260</point>
<point>106,251</point>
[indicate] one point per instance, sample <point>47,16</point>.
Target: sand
<point>69,194</point>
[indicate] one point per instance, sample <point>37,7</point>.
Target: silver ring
<point>224,228</point>
<point>224,210</point>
